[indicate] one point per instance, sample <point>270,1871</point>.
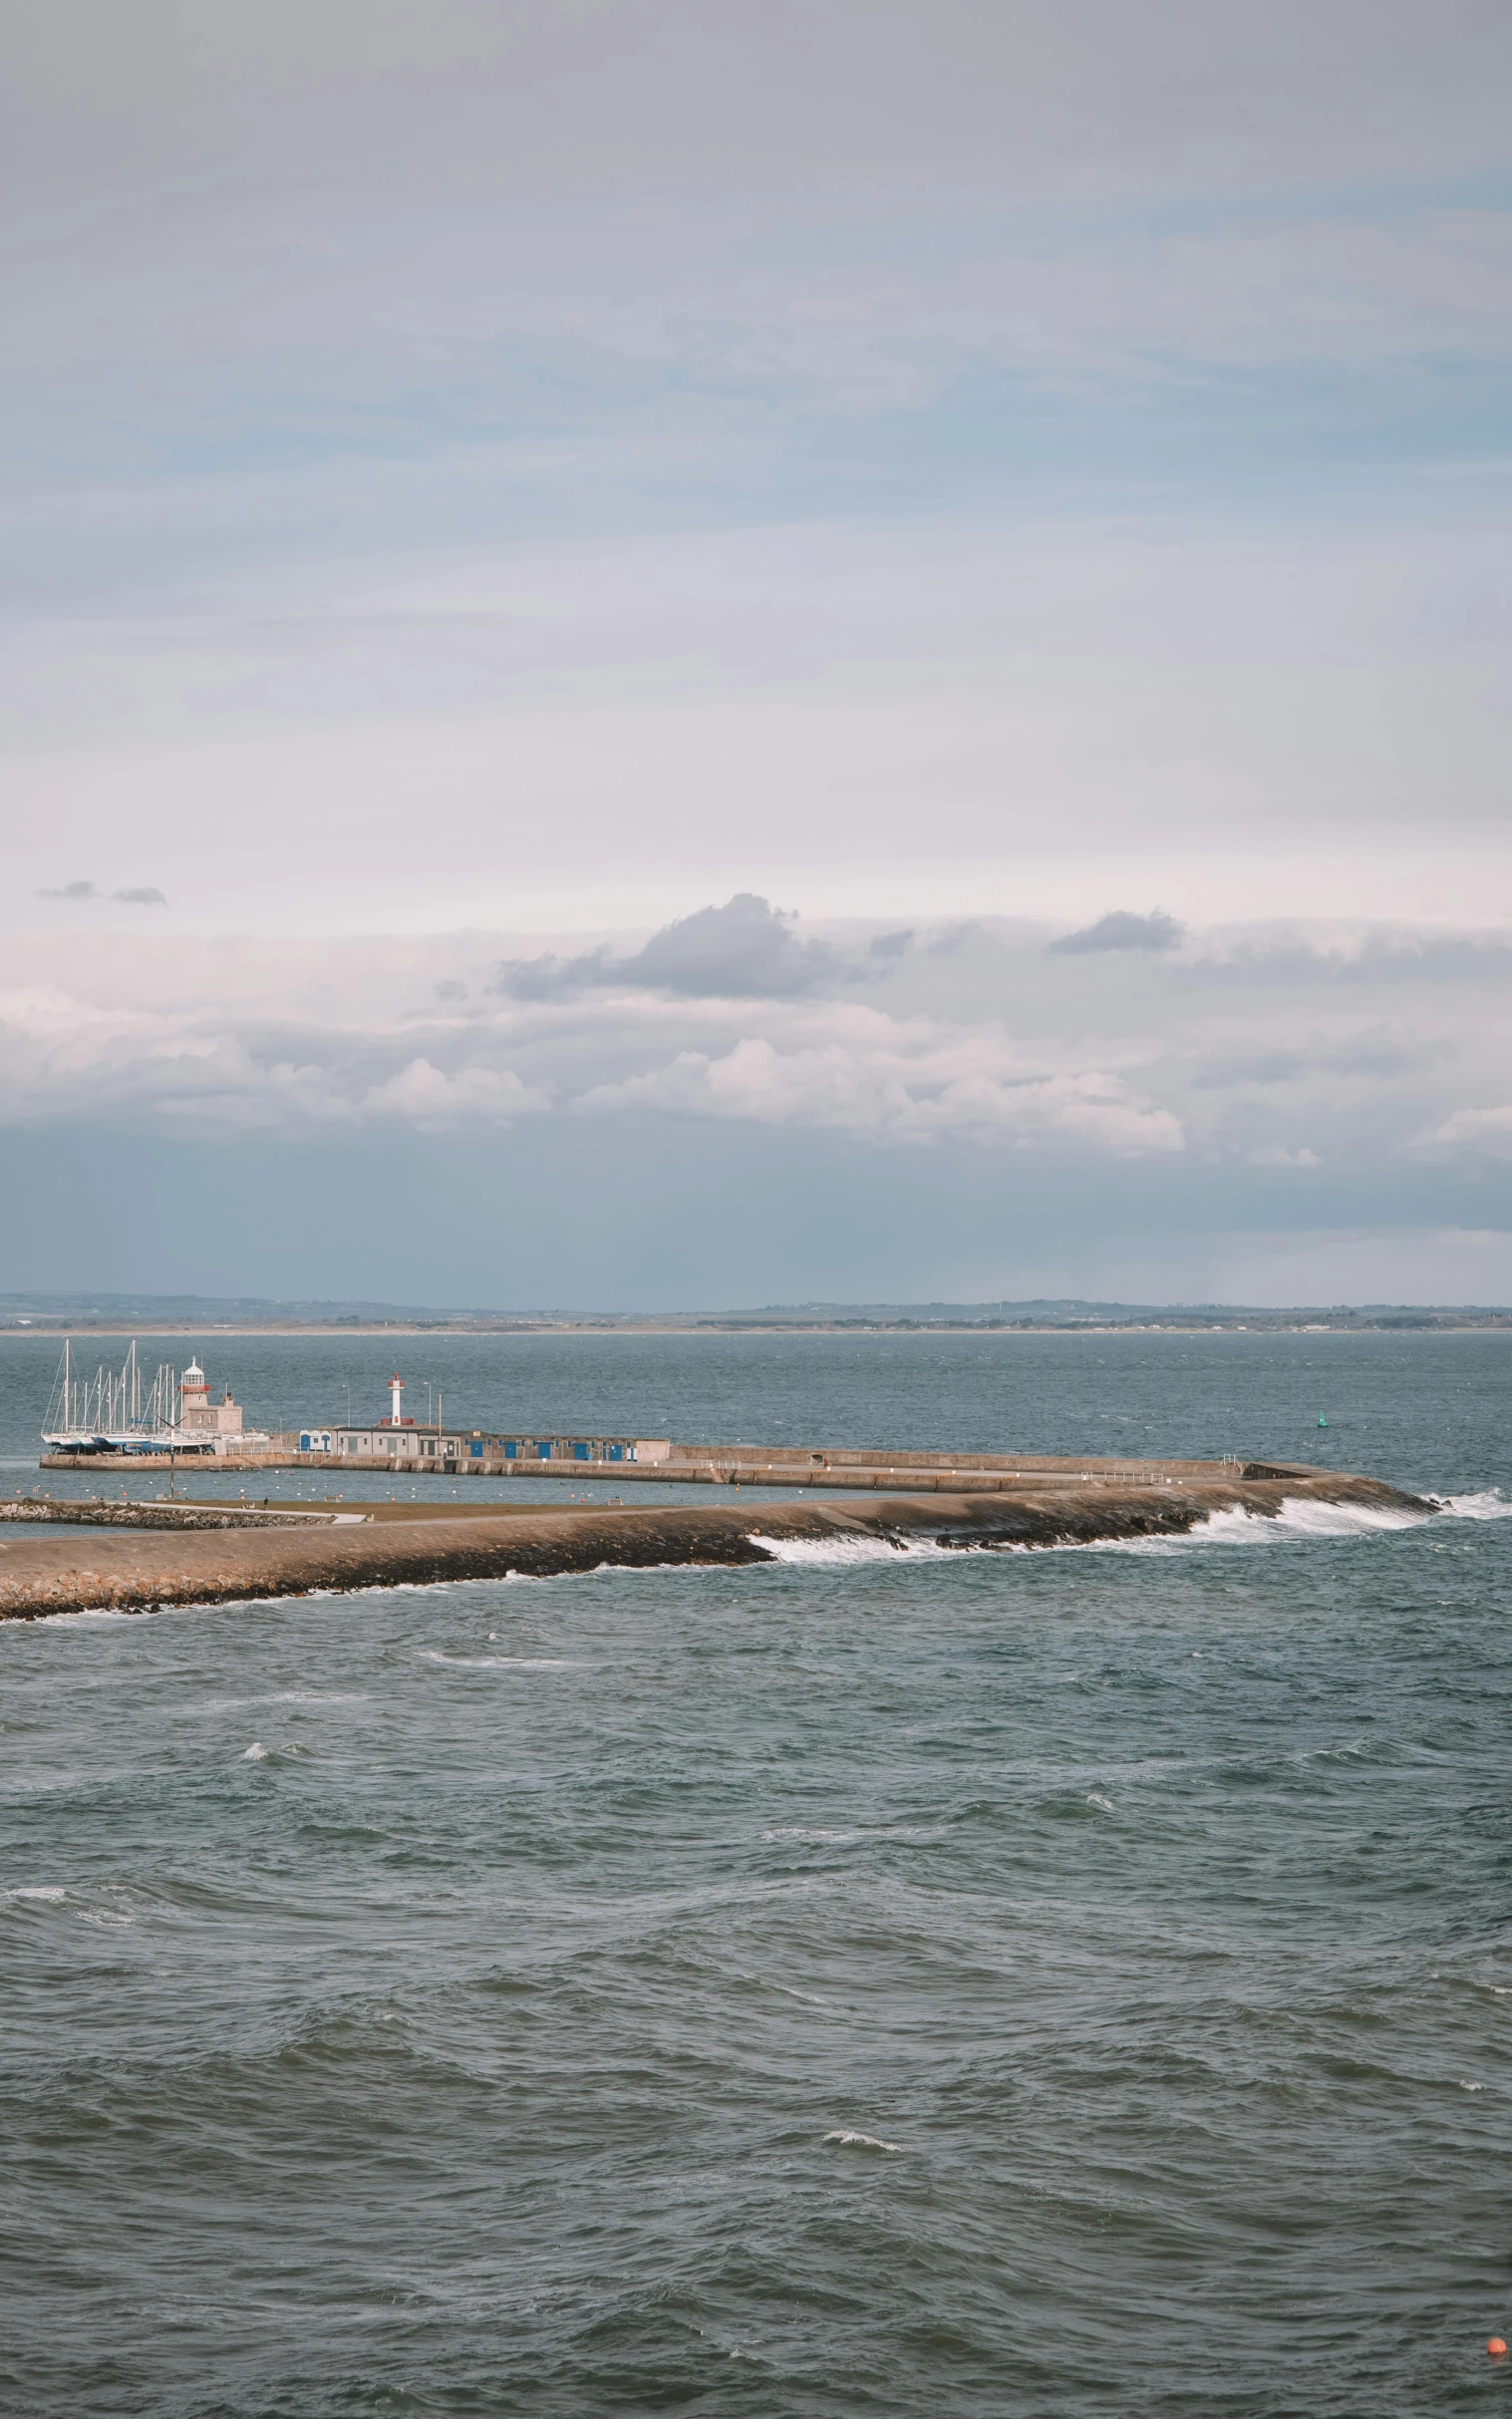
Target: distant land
<point>195,1314</point>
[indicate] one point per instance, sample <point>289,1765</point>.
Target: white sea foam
<point>310,1697</point>
<point>87,1613</point>
<point>1300,1518</point>
<point>791,1831</point>
<point>840,1550</point>
<point>861,2141</point>
<point>498,1662</point>
<point>38,1889</point>
<point>1489,1504</point>
<point>257,1753</point>
<point>1095,1798</point>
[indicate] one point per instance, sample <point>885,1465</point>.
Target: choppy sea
<point>922,1983</point>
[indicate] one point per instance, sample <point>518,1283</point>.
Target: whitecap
<point>1300,1519</point>
<point>861,2141</point>
<point>1094,1797</point>
<point>311,1697</point>
<point>1489,1504</point>
<point>257,1753</point>
<point>39,1890</point>
<point>791,1831</point>
<point>498,1662</point>
<point>820,1550</point>
<point>44,1621</point>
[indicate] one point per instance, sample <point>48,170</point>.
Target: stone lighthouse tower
<point>197,1415</point>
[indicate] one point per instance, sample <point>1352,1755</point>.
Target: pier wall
<point>704,1466</point>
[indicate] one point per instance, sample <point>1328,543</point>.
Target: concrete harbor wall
<point>870,1467</point>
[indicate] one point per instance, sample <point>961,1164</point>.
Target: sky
<point>661,654</point>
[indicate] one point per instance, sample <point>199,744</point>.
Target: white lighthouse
<point>396,1393</point>
<point>197,1415</point>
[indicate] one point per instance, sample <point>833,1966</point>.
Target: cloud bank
<point>1282,1047</point>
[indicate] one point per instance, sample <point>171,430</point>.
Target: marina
<point>124,1416</point>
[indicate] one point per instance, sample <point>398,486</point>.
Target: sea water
<point>872,1982</point>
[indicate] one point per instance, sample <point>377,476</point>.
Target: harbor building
<point>397,1442</point>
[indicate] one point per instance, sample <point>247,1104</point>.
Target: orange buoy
<point>1497,2348</point>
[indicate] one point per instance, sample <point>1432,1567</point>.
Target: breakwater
<point>134,1566</point>
<point>65,1511</point>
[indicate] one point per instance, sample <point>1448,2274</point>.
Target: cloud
<point>80,891</point>
<point>893,1083</point>
<point>1123,931</point>
<point>1479,1132</point>
<point>744,950</point>
<point>424,1096</point>
<point>1289,955</point>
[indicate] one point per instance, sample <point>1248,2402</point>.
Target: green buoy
<point>1323,1424</point>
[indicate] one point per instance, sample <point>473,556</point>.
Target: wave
<point>1489,1504</point>
<point>825,1550</point>
<point>1301,1519</point>
<point>88,1613</point>
<point>860,2141</point>
<point>498,1662</point>
<point>792,1831</point>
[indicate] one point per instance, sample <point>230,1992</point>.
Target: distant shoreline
<point>1408,1324</point>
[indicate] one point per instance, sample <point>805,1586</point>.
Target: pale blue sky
<point>507,477</point>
